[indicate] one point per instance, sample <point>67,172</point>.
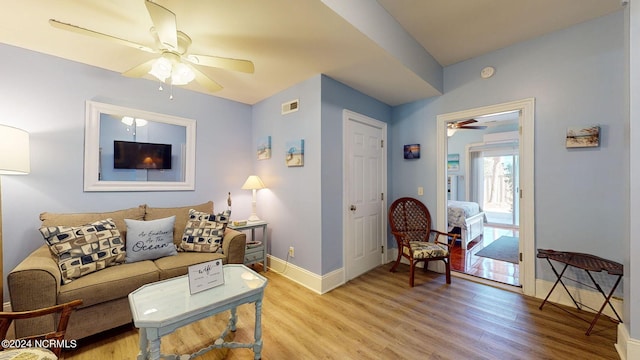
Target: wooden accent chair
<point>53,338</point>
<point>411,226</point>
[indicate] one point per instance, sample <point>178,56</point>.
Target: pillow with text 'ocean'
<point>149,240</point>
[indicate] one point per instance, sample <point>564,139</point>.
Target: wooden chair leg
<point>395,266</point>
<point>447,270</point>
<point>412,273</point>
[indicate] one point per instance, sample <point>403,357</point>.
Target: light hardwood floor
<point>465,261</point>
<point>378,316</point>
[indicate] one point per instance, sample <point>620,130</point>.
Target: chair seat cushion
<point>426,250</point>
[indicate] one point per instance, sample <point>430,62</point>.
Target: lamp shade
<point>253,183</point>
<point>14,151</point>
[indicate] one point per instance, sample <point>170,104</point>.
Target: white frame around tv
<point>92,150</point>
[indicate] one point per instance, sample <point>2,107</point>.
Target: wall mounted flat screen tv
<point>139,155</point>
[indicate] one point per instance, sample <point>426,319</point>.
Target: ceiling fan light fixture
<point>181,74</point>
<point>161,69</point>
<point>141,122</point>
<point>129,121</point>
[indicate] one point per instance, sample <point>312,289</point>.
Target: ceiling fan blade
<point>205,81</point>
<point>164,22</point>
<point>222,63</point>
<point>95,34</point>
<point>466,122</point>
<point>140,70</point>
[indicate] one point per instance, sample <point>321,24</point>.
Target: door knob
<point>353,208</point>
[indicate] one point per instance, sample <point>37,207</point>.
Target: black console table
<point>587,263</point>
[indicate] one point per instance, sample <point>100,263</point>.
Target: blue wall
<point>46,96</point>
<point>337,97</point>
<point>576,77</point>
<point>580,195</point>
<point>291,202</point>
<point>304,204</point>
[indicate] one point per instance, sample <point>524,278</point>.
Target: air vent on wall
<point>290,106</point>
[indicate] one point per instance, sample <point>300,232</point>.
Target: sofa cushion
<point>78,219</point>
<point>182,215</point>
<point>173,266</point>
<point>80,250</point>
<point>112,283</point>
<point>149,240</point>
<point>203,231</point>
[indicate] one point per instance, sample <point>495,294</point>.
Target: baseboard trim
<point>627,347</point>
<point>314,282</point>
<point>590,298</point>
<point>324,283</point>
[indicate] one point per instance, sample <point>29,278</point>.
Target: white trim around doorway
<point>526,109</point>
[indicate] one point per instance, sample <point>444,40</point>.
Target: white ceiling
<point>292,40</point>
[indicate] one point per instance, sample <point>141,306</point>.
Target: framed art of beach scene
<point>579,137</point>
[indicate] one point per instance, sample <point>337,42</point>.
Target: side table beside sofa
<point>256,251</point>
<point>37,283</point>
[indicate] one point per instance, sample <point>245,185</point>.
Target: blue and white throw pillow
<point>149,240</point>
<point>204,232</point>
<point>80,250</point>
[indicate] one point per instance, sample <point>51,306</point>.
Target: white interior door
<point>365,185</point>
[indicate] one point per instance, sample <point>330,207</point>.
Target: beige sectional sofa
<point>36,282</point>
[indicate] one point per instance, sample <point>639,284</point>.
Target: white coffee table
<point>160,308</point>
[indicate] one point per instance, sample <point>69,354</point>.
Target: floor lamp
<point>253,183</point>
<point>14,160</point>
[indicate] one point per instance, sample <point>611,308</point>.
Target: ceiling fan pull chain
<point>171,95</point>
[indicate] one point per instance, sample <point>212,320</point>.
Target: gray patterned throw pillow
<point>81,250</point>
<point>204,232</point>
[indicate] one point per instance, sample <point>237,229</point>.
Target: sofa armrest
<point>234,244</point>
<point>34,284</point>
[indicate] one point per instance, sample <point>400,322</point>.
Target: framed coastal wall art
<point>412,151</point>
<point>453,162</point>
<point>583,136</point>
<point>295,153</point>
<point>264,148</point>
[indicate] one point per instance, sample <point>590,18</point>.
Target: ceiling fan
<point>461,125</point>
<point>175,64</point>
<point>465,124</point>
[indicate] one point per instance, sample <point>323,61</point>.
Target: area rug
<point>505,248</point>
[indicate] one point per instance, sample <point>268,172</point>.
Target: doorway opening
<point>485,155</point>
<point>492,182</point>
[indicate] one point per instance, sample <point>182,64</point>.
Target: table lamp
<point>253,183</point>
<point>14,160</point>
